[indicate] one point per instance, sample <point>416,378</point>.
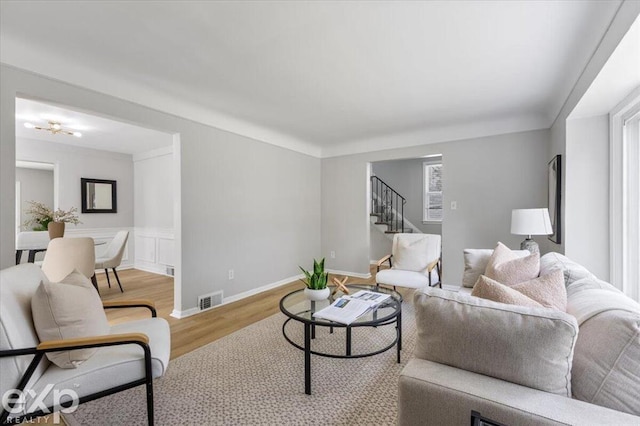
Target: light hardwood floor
<point>193,332</point>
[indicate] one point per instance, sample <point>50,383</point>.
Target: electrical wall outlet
<point>332,254</point>
<point>230,274</point>
<point>454,205</point>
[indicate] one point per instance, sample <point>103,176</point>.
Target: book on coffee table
<point>347,309</point>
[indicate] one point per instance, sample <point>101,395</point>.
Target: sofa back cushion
<point>524,345</point>
<point>606,363</point>
<point>572,271</point>
<point>17,286</point>
<point>475,263</point>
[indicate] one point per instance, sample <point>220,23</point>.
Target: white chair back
<point>414,252</point>
<point>17,286</point>
<point>115,251</point>
<point>66,254</point>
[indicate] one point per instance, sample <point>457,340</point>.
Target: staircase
<point>387,207</point>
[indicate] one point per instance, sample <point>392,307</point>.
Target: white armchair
<point>132,354</point>
<point>414,262</point>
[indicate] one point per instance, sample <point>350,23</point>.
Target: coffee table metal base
<point>309,334</point>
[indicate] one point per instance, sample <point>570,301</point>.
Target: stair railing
<point>384,201</point>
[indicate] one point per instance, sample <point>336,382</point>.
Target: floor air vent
<point>209,301</point>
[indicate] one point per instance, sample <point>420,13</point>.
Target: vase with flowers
<point>44,219</point>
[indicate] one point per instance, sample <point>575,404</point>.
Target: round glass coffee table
<point>299,309</point>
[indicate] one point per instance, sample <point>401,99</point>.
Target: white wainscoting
<point>105,235</point>
<point>154,250</point>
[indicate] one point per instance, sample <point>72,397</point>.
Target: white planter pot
<point>317,294</point>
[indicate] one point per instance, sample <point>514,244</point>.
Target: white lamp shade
<point>531,222</point>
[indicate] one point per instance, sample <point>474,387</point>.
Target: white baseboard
<point>185,313</point>
<point>192,311</point>
<point>153,268</point>
<point>122,267</point>
<point>251,292</point>
<point>351,274</point>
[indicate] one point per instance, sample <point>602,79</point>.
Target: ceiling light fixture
<point>54,128</point>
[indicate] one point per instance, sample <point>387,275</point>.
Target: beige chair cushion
<point>475,263</point>
<point>528,346</point>
<point>507,268</point>
<point>489,289</point>
<point>68,309</point>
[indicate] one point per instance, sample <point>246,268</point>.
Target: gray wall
<point>587,193</point>
<point>35,185</point>
<point>75,162</point>
<point>245,205</point>
<point>487,177</point>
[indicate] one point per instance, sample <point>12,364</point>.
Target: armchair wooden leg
<point>118,279</point>
<point>106,272</point>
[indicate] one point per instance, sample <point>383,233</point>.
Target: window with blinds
<point>432,211</point>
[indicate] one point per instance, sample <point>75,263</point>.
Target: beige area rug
<point>255,377</point>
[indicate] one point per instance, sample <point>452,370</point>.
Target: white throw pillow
<point>475,263</point>
<point>507,268</point>
<point>68,309</point>
<point>411,254</point>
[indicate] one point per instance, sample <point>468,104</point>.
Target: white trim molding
<point>624,198</point>
<point>350,274</point>
<point>226,300</point>
<point>155,250</point>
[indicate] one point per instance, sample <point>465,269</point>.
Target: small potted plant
<point>316,282</point>
<point>45,219</point>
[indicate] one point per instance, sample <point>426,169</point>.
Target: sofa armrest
<point>433,393</point>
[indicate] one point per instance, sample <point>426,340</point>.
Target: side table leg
<point>307,358</point>
<point>348,341</point>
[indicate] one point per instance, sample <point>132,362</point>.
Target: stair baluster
<point>384,202</point>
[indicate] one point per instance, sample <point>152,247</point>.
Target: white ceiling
<point>97,132</point>
<point>318,76</point>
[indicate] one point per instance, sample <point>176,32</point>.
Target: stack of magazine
<point>347,309</point>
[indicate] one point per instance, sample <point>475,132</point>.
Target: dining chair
<point>415,262</point>
<point>66,254</point>
<point>113,256</point>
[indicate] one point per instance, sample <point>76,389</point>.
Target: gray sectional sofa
<point>525,366</point>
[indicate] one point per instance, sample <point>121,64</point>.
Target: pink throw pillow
<point>548,290</point>
<point>507,268</point>
<point>489,289</point>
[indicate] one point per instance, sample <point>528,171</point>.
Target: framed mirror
<point>98,196</point>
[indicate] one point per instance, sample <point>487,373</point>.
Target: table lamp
<point>530,222</point>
